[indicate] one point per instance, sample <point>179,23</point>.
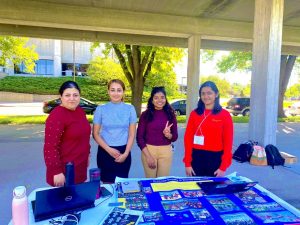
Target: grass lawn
<point>180,119</point>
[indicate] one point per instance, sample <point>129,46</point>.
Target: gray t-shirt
<point>115,119</point>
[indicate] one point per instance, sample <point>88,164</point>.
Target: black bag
<point>274,157</point>
<point>243,153</point>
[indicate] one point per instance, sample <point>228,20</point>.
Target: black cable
<point>61,221</point>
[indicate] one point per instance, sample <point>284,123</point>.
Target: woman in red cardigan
<point>67,137</point>
<point>208,136</point>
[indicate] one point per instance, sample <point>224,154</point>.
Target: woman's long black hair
<point>201,107</point>
<point>167,107</point>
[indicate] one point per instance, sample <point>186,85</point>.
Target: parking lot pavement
<point>22,163</point>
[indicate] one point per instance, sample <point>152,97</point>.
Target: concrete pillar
<point>267,39</point>
<point>57,58</point>
<point>193,73</point>
<point>9,69</point>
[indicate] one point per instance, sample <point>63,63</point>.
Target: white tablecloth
<point>92,216</point>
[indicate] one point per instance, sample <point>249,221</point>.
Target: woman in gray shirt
<point>114,131</point>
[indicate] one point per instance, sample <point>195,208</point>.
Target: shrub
<point>94,90</point>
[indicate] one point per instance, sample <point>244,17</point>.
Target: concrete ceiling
<point>222,24</point>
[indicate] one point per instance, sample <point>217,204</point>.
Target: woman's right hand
<point>189,171</point>
<point>114,152</point>
<point>59,180</point>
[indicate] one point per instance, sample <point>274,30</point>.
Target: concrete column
<point>267,39</point>
<point>193,72</point>
<point>9,69</point>
<point>57,58</point>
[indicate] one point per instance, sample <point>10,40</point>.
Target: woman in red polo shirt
<point>208,136</point>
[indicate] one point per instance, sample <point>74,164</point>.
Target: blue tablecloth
<point>94,216</point>
<point>179,200</point>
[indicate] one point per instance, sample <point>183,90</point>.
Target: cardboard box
<point>289,159</point>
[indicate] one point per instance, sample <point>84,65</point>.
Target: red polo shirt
<point>218,134</point>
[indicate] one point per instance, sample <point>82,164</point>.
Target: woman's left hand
<point>167,130</point>
<point>121,157</point>
<point>219,173</point>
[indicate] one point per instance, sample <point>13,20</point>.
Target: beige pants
<point>163,159</point>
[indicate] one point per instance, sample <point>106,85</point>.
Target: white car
<point>294,109</point>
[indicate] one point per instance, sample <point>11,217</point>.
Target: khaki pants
<point>163,159</point>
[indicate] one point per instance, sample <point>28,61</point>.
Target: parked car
<point>294,109</point>
<point>88,106</point>
<point>179,106</point>
<point>238,106</point>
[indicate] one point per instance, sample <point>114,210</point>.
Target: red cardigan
<point>218,134</point>
<point>67,139</point>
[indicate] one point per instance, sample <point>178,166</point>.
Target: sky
<point>210,68</point>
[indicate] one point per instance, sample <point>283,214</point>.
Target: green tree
<point>222,84</point>
<point>104,69</point>
<point>293,91</point>
<point>14,49</point>
<point>243,61</point>
<point>146,65</point>
<point>240,90</point>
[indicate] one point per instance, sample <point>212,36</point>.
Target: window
<point>44,67</point>
<point>67,69</point>
<point>19,69</point>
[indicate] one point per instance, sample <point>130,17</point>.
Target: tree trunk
<point>286,67</point>
<point>137,93</point>
<point>136,70</point>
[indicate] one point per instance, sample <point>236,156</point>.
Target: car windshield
<point>176,100</point>
<point>233,101</point>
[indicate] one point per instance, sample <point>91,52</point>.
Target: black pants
<point>111,169</point>
<point>205,163</point>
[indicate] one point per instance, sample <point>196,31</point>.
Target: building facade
<point>58,58</point>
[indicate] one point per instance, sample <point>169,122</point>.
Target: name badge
<point>199,140</point>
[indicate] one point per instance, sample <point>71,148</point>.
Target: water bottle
<point>20,213</point>
<point>69,174</point>
<point>95,174</point>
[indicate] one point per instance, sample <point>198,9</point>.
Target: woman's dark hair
<point>150,107</point>
<point>201,107</point>
<point>66,85</point>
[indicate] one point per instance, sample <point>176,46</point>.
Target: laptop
<point>225,187</point>
<point>60,201</point>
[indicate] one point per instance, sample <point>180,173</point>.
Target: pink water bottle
<point>20,213</point>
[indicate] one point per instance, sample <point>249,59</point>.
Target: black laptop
<point>225,187</point>
<point>59,201</point>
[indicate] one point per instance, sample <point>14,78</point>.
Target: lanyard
<point>199,127</point>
